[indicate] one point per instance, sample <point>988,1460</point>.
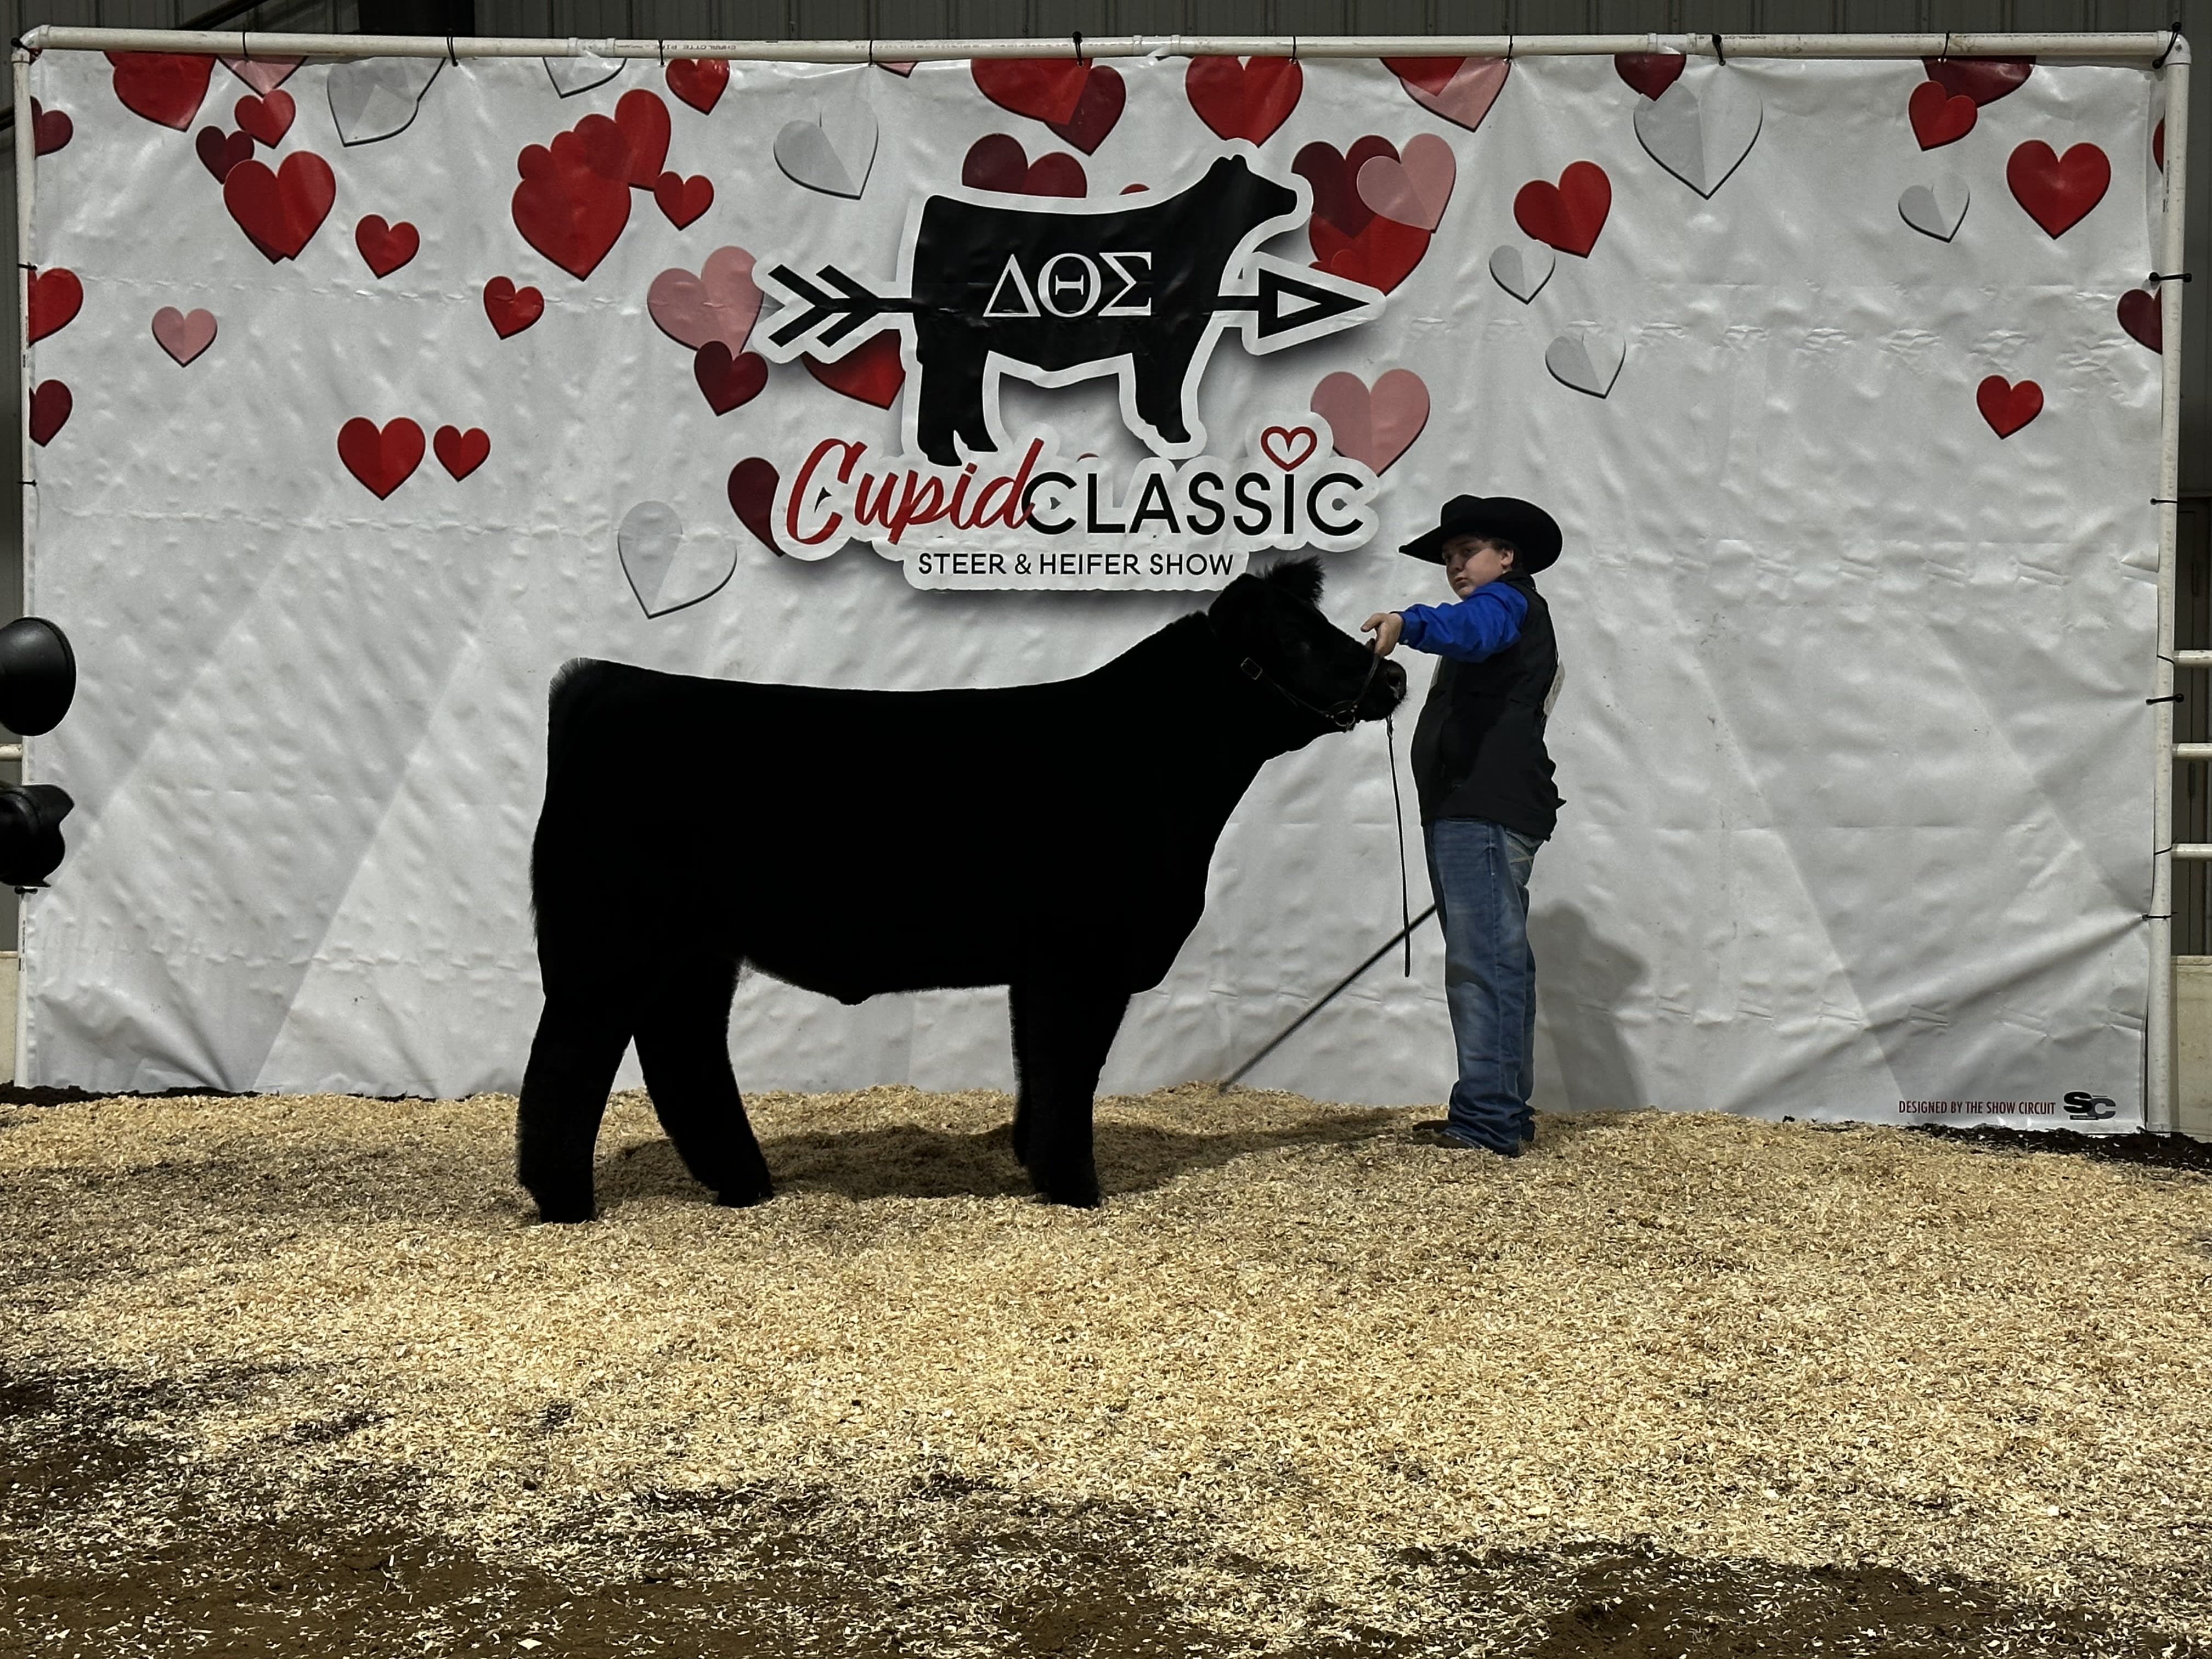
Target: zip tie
<point>1720,50</point>
<point>1078,46</point>
<point>244,50</point>
<point>1294,48</point>
<point>1943,55</point>
<point>2159,915</point>
<point>2165,500</point>
<point>2172,40</point>
<point>662,41</point>
<point>2176,697</point>
<point>2168,277</point>
<point>450,58</point>
<point>1509,48</point>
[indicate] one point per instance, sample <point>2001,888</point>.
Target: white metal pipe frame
<point>2165,50</point>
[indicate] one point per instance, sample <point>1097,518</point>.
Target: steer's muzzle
<point>1384,693</point>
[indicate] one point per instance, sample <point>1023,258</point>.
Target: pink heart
<point>1373,427</point>
<point>263,74</point>
<point>1466,97</point>
<point>1413,189</point>
<point>719,304</point>
<point>183,337</point>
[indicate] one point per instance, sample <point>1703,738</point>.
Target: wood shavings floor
<point>282,1372</point>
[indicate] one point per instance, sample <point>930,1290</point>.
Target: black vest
<point>1478,750</point>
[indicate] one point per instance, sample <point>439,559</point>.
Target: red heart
<point>729,380</point>
<point>597,144</point>
<point>684,199</point>
<point>55,297</point>
<point>280,211</point>
<point>1568,214</point>
<point>2008,407</point>
<point>1985,80</point>
<point>1649,72</point>
<point>753,485</point>
<point>2143,318</point>
<point>1096,111</point>
<point>699,82</point>
<point>51,128</point>
<point>1380,255</point>
<point>564,208</point>
<point>386,247</point>
<point>995,162</point>
<point>872,372</point>
<point>1335,181</point>
<point>164,87</point>
<point>459,453</point>
<point>2057,190</point>
<point>510,308</point>
<point>51,404</point>
<point>1244,101</point>
<point>1939,117</point>
<point>267,119</point>
<point>1430,75</point>
<point>643,119</point>
<point>220,151</point>
<point>1279,444</point>
<point>382,460</point>
<point>1046,89</point>
<point>2157,145</point>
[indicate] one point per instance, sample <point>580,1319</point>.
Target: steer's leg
<point>579,1042</point>
<point>1061,1033</point>
<point>683,1044</point>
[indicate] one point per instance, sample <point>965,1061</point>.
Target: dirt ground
<point>298,1375</point>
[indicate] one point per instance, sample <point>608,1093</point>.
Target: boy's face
<point>1473,562</point>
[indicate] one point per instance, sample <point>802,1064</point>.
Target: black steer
<point>1053,839</point>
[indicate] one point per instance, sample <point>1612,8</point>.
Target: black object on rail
<point>1283,1035</point>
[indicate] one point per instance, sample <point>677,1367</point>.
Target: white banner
<point>367,393</point>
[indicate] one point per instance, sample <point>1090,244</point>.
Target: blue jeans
<point>1479,871</point>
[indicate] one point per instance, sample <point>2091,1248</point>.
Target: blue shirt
<point>1480,625</point>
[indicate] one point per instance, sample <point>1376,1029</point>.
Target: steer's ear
<point>1299,578</point>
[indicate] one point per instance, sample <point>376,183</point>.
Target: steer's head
<point>1315,676</point>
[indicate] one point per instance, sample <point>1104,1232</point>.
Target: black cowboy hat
<point>1524,524</point>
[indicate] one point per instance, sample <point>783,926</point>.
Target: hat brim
<point>1527,526</point>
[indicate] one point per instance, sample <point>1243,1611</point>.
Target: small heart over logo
<point>184,336</point>
<point>2143,319</point>
<point>1098,113</point>
<point>996,162</point>
<point>872,372</point>
<point>381,460</point>
<point>665,572</point>
<point>510,308</point>
<point>728,380</point>
<point>1288,446</point>
<point>720,303</point>
<point>461,453</point>
<point>1373,427</point>
<point>1415,189</point>
<point>753,485</point>
<point>2008,407</point>
<point>1046,89</point>
<point>684,199</point>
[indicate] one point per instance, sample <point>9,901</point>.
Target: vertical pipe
<point>26,164</point>
<point>2158,1032</point>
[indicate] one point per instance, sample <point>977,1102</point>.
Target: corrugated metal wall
<point>1057,19</point>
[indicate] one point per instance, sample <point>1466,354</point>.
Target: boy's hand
<point>1386,626</point>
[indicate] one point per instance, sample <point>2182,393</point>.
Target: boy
<point>1487,802</point>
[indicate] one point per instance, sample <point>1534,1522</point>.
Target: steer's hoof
<point>567,1211</point>
<point>744,1198</point>
<point>1077,1192</point>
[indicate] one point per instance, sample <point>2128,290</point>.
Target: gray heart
<point>374,98</point>
<point>1587,359</point>
<point>1523,268</point>
<point>665,574</point>
<point>1935,209</point>
<point>571,75</point>
<point>834,153</point>
<point>1699,133</point>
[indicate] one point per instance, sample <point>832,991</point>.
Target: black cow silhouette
<point>1060,290</point>
<point>1054,839</point>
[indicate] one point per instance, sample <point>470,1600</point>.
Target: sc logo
<point>2084,1107</point>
